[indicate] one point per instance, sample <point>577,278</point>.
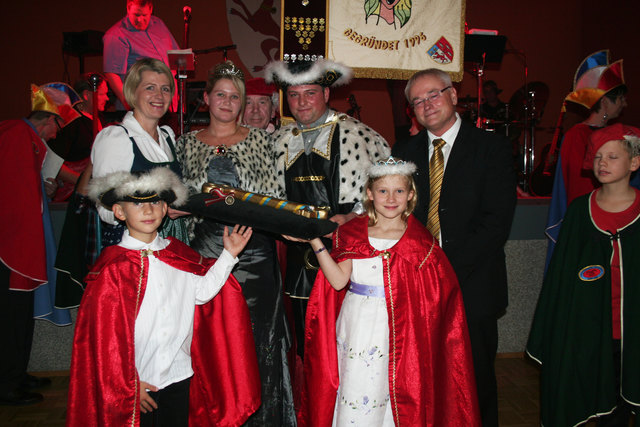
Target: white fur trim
<point>360,147</point>
<point>634,143</point>
<point>157,180</point>
<point>318,68</point>
<point>391,167</point>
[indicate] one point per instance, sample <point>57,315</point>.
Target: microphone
<point>95,81</point>
<point>187,13</point>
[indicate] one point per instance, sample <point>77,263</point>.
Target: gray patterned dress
<point>248,165</point>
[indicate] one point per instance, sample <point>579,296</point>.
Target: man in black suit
<point>475,210</point>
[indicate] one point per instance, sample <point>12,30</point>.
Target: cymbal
<point>518,102</point>
<point>467,103</point>
<point>465,107</point>
<point>500,122</point>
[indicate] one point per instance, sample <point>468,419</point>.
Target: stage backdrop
<point>379,39</point>
<point>254,26</point>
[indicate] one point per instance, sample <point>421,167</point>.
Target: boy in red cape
<point>134,362</point>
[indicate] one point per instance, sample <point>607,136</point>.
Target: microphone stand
<point>95,82</point>
<point>187,20</point>
<point>528,124</point>
<point>181,73</point>
<point>480,73</point>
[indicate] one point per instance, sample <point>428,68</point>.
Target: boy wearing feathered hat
<point>133,360</point>
<point>586,329</point>
<point>321,159</point>
<point>27,236</point>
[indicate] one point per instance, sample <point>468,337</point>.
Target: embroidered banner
<point>394,39</point>
<point>303,30</point>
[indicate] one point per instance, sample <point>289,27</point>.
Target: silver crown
<point>391,166</point>
<point>227,69</point>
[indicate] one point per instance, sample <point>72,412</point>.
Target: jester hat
<point>55,98</point>
<point>594,78</point>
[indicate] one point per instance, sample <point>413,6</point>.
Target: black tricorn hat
<point>156,184</point>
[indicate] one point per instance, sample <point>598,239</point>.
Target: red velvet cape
<point>431,376</point>
<point>225,387</point>
<point>22,153</point>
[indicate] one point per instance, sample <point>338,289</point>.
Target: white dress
<point>362,332</point>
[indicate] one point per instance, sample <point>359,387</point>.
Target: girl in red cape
<point>385,330</point>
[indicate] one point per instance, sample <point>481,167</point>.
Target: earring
<point>604,119</point>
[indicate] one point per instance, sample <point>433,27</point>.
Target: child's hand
<point>235,242</point>
<point>147,404</point>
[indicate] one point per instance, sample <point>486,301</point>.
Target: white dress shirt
<point>164,325</point>
<point>112,151</point>
<point>449,138</point>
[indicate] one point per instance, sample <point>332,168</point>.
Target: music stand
<point>483,48</point>
<point>181,61</point>
<point>475,45</point>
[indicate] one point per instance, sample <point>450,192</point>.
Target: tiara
<point>391,166</point>
<point>227,69</point>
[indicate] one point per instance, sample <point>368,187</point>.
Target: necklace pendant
<point>220,150</point>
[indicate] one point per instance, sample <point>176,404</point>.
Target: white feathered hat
<point>322,72</point>
<point>156,184</point>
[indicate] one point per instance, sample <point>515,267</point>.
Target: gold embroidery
<point>143,197</point>
<point>308,178</point>
<point>297,131</point>
<point>295,296</point>
<point>327,151</point>
<point>394,397</point>
<point>327,154</point>
<point>433,243</point>
<point>143,254</point>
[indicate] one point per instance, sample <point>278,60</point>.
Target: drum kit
<point>517,120</point>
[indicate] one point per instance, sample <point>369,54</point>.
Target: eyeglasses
<point>434,97</point>
<point>57,122</point>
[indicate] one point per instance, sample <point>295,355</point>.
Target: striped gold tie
<point>436,171</point>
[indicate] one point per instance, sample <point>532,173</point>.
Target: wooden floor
<point>517,391</point>
<point>517,394</point>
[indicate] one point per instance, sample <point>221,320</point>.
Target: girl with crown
<point>386,334</point>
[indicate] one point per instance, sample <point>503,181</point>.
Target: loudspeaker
<point>82,43</point>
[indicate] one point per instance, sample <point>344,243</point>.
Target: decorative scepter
<point>231,194</point>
